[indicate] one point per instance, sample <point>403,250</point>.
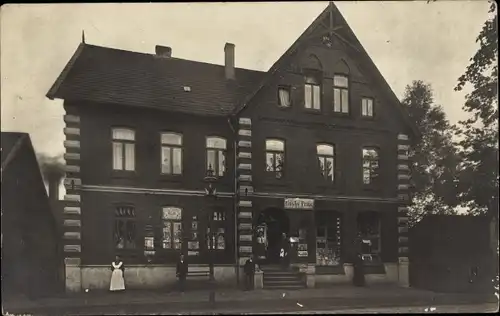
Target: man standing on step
<point>249,274</point>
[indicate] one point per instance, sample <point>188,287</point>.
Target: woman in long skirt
<point>117,281</point>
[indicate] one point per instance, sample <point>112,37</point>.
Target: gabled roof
<point>10,144</point>
<point>333,12</point>
<point>108,75</point>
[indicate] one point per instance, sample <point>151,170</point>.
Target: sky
<point>407,40</point>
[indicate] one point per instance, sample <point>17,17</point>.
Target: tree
<point>434,156</point>
<point>479,134</point>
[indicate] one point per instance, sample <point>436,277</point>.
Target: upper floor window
<point>125,228</point>
<point>340,94</point>
<point>123,149</point>
<point>275,157</point>
<point>172,227</point>
<point>326,157</point>
<point>370,165</point>
<point>284,99</point>
<point>312,93</point>
<point>367,107</point>
<point>171,153</point>
<point>216,155</point>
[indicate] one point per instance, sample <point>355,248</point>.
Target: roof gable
<point>11,144</point>
<point>330,26</point>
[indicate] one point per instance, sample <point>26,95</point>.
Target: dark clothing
<point>181,271</point>
<point>359,273</point>
<point>249,269</point>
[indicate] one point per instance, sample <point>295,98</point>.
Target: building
<point>31,256</point>
<point>452,253</point>
<point>316,147</point>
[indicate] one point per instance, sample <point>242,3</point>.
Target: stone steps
<point>277,278</point>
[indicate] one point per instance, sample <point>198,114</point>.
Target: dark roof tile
<point>109,75</point>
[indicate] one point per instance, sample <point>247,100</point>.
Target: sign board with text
<point>299,204</point>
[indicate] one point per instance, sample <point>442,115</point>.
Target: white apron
<point>117,281</point>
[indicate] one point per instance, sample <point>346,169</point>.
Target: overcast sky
<point>407,41</point>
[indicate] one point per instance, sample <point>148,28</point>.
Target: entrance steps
<point>281,278</point>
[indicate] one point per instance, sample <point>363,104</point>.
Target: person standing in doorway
<point>117,283</point>
<point>181,271</point>
<point>249,274</point>
<point>359,273</point>
<point>284,250</point>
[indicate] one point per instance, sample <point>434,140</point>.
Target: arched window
<point>341,94</point>
<point>370,165</point>
<point>312,92</point>
<point>275,156</point>
<point>171,153</point>
<point>326,157</point>
<point>123,149</point>
<point>172,227</point>
<point>216,155</point>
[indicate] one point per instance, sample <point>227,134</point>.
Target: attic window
<point>187,88</point>
<point>284,96</point>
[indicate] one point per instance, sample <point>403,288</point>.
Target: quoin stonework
<point>315,148</point>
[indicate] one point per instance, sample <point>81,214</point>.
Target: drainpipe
<point>235,201</point>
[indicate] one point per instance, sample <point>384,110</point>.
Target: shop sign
<point>299,204</point>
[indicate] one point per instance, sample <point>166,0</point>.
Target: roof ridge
<point>169,58</point>
<point>13,152</point>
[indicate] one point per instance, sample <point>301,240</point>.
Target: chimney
<point>163,51</point>
<point>229,61</point>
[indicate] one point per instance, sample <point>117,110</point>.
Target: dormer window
<point>284,99</point>
<point>312,93</point>
<point>340,94</point>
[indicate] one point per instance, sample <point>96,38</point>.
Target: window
<point>171,153</point>
<point>370,165</point>
<point>326,155</point>
<point>216,155</point>
<point>193,242</point>
<point>125,228</point>
<point>312,93</point>
<point>218,238</point>
<point>123,149</point>
<point>328,239</point>
<point>172,227</point>
<point>275,157</point>
<point>369,233</point>
<point>340,94</point>
<point>284,99</point>
<point>367,107</point>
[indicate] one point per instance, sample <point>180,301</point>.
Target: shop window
<point>369,235</point>
<point>172,227</point>
<point>171,153</point>
<point>193,240</point>
<point>275,157</point>
<point>328,243</point>
<point>123,149</point>
<point>219,236</point>
<point>302,246</point>
<point>125,227</point>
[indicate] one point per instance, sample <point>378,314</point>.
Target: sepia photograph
<point>207,158</point>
